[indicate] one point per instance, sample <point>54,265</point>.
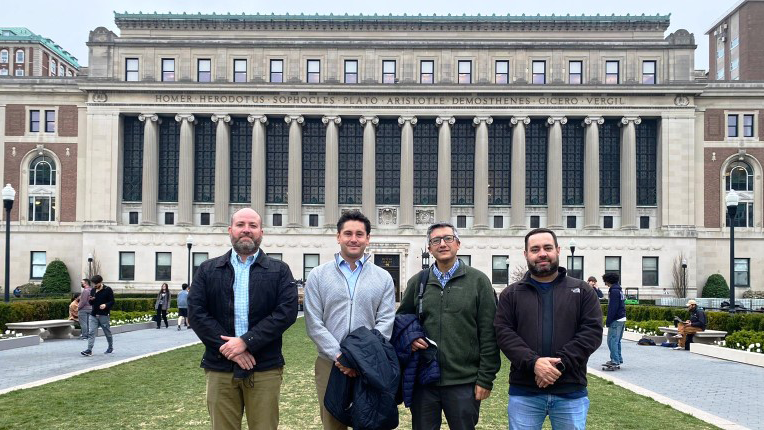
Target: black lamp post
<point>90,266</point>
<point>507,261</point>
<point>189,244</point>
<point>732,201</point>
<point>572,246</point>
<point>684,276</point>
<point>425,260</point>
<point>9,194</point>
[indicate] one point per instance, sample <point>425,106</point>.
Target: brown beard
<point>245,248</point>
<point>553,266</point>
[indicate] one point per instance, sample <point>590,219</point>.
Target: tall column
<point>332,171</point>
<point>222,168</point>
<point>443,209</point>
<point>629,173</point>
<point>150,184</point>
<point>481,171</point>
<point>406,219</point>
<point>257,184</point>
<point>294,185</point>
<point>592,172</point>
<point>369,187</point>
<point>517,211</point>
<point>186,169</point>
<point>554,172</point>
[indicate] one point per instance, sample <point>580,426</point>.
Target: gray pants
<point>84,318</point>
<point>94,322</point>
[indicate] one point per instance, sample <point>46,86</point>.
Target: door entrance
<point>391,263</point>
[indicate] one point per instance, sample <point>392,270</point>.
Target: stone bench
<point>705,336</point>
<point>54,329</point>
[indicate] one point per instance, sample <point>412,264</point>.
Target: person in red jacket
<point>547,324</point>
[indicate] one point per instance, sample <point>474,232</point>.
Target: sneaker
<point>610,363</point>
<point>677,348</point>
<point>178,328</point>
<point>109,351</point>
<point>86,353</point>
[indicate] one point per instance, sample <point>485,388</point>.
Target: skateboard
<point>611,367</point>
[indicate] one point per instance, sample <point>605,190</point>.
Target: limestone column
<point>257,184</point>
<point>222,168</point>
<point>150,180</point>
<point>481,171</point>
<point>517,211</point>
<point>406,218</point>
<point>369,188</point>
<point>294,185</point>
<point>629,173</point>
<point>186,169</point>
<point>443,208</point>
<point>332,171</point>
<point>592,172</point>
<point>554,172</point>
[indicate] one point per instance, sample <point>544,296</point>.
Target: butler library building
<point>598,127</point>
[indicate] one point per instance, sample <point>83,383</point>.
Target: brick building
<point>23,53</point>
<point>596,126</point>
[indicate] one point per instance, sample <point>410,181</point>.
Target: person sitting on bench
<point>695,324</point>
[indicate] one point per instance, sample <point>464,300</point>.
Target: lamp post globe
<point>90,265</point>
<point>9,195</point>
<point>732,201</point>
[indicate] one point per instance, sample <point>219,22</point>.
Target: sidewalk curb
<point>681,407</point>
<point>89,369</point>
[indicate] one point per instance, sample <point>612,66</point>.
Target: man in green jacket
<point>458,308</point>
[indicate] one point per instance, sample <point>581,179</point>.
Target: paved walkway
<point>57,359</point>
<point>731,391</point>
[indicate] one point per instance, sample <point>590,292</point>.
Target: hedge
<point>723,321</point>
<point>38,310</point>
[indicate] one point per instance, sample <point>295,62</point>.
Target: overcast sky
<point>68,23</point>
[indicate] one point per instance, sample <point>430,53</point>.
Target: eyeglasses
<point>436,240</point>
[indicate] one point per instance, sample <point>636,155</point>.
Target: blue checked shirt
<point>241,291</point>
<point>444,277</point>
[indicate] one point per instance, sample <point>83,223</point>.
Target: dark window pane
<point>133,217</point>
<point>647,162</point>
<point>277,220</point>
<point>644,222</point>
<point>607,221</point>
<point>204,218</point>
<point>313,220</point>
<point>732,125</point>
<point>535,221</point>
<point>498,221</point>
<point>572,163</point>
<point>610,163</point>
<point>462,162</point>
<point>132,159</point>
<point>163,266</point>
<point>169,218</point>
<point>241,160</point>
<point>313,161</point>
<point>204,160</point>
<point>350,162</point>
<point>426,162</point>
<point>461,221</point>
<point>535,162</point>
<point>277,160</point>
<point>388,162</point>
<point>169,149</point>
<point>571,222</point>
<point>499,162</point>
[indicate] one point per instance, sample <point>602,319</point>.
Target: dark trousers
<point>161,315</point>
<point>456,401</point>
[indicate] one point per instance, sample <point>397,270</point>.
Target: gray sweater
<point>331,314</point>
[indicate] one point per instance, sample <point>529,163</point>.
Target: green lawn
<point>166,392</point>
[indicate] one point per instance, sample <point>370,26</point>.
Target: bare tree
<point>518,273</point>
<point>678,283</point>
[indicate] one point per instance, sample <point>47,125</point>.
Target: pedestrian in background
<point>162,304</point>
<point>183,306</point>
<point>102,301</point>
<point>73,307</point>
<point>84,308</point>
<point>616,319</point>
<point>592,281</point>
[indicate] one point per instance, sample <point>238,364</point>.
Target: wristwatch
<point>560,366</point>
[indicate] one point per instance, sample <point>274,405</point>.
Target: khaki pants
<point>685,329</point>
<point>323,370</point>
<point>258,395</point>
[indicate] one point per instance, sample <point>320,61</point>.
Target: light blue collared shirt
<point>241,291</point>
<point>444,277</point>
<point>350,275</point>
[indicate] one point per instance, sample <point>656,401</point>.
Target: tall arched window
<point>4,56</point>
<point>52,67</point>
<point>42,171</point>
<point>739,177</point>
<point>20,56</point>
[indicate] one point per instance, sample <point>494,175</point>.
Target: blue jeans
<point>614,335</point>
<point>529,412</point>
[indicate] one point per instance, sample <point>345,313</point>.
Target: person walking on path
<point>161,305</point>
<point>695,324</point>
<point>183,306</point>
<point>102,301</point>
<point>458,307</point>
<point>240,305</point>
<point>342,295</point>
<point>84,308</point>
<point>548,324</point>
<point>616,319</point>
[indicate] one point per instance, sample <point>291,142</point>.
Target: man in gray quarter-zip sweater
<point>342,295</point>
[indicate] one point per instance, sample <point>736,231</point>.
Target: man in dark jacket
<point>616,318</point>
<point>101,300</point>
<point>548,325</point>
<point>240,305</point>
<point>695,324</point>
